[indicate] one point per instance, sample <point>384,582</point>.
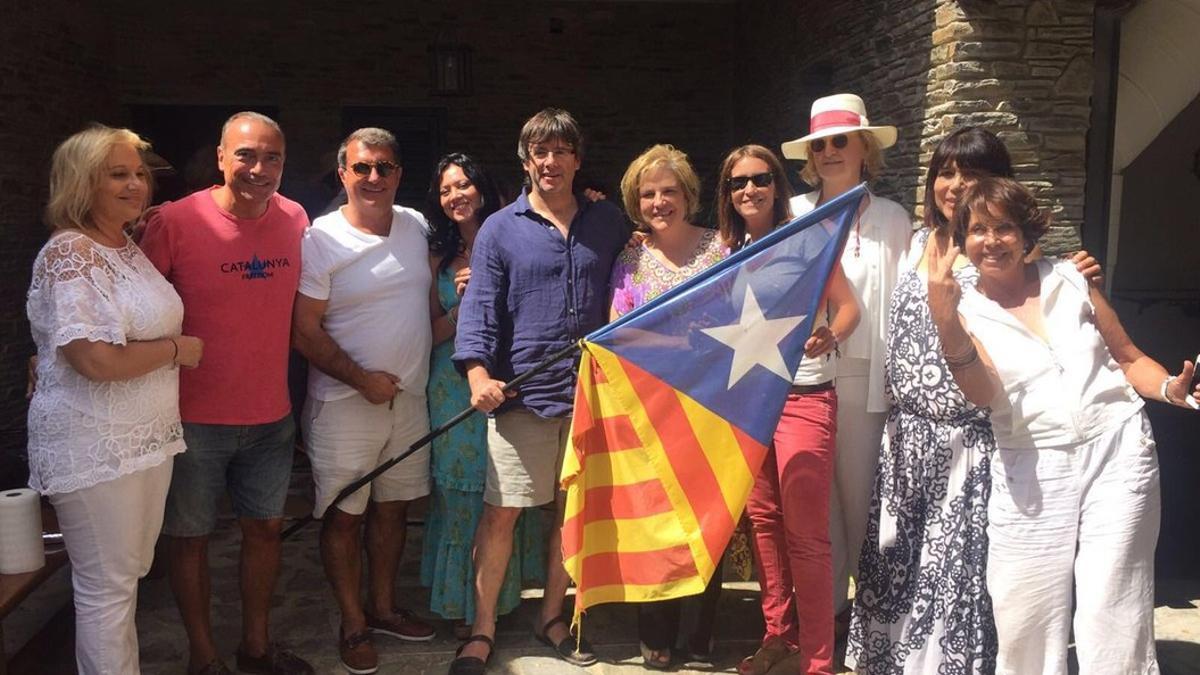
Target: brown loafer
<point>357,653</point>
<point>404,625</point>
<point>276,661</point>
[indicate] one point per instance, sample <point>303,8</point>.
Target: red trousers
<point>789,516</point>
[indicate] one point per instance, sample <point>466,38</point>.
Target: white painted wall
<point>1159,72</point>
<point>1158,75</point>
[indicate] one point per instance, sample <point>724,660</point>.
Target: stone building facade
<point>704,75</point>
<point>1022,68</point>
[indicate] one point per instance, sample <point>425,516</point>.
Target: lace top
<point>83,432</point>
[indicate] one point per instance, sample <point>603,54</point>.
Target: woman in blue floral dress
<point>461,196</point>
<point>921,600</point>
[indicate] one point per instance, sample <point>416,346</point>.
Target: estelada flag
<point>676,405</point>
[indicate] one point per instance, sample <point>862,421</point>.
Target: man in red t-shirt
<point>233,253</point>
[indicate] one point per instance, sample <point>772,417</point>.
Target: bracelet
<point>1162,390</point>
<point>452,316</point>
<point>963,366</point>
<point>174,356</point>
<point>960,361</point>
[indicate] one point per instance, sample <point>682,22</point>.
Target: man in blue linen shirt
<point>539,281</point>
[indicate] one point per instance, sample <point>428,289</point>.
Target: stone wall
<point>880,52</point>
<point>704,76</point>
<point>633,73</point>
<point>52,81</point>
<point>1023,69</point>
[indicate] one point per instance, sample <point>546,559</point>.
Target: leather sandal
<point>772,651</point>
<point>657,659</point>
<point>472,665</point>
<point>565,649</point>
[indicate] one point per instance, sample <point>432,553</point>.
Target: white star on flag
<point>755,340</point>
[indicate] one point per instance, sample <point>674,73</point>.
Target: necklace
<point>862,206</point>
<point>858,214</point>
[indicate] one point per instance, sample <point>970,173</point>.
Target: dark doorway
<point>421,133</point>
<point>187,137</point>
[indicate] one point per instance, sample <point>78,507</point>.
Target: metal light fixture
<point>449,67</point>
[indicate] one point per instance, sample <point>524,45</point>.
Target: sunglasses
<point>761,180</point>
<point>384,168</point>
<point>839,141</point>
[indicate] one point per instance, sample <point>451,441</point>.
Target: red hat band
<point>835,118</point>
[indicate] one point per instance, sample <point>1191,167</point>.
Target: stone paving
<point>305,619</point>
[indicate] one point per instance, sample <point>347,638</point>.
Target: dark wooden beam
<point>1106,57</point>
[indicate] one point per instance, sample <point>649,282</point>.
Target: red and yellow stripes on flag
<point>655,485</point>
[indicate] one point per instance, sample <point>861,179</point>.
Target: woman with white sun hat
<point>843,149</point>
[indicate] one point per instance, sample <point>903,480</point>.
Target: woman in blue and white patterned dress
<point>921,603</point>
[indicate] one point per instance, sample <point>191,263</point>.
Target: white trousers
<point>1083,519</point>
<point>858,436</point>
<point>109,530</point>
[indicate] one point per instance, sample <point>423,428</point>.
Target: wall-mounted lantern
<point>449,68</point>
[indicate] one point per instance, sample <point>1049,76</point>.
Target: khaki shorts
<point>345,439</point>
<point>525,454</point>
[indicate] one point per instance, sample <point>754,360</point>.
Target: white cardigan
<point>882,241</point>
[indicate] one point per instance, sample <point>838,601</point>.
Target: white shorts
<point>525,454</point>
<point>345,439</point>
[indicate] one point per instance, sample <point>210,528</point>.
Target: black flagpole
<point>427,438</point>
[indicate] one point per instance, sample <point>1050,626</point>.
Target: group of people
<point>963,437</point>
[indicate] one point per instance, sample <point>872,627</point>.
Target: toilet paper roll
<point>20,532</point>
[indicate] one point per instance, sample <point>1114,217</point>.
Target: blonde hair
<point>872,163</point>
<point>654,157</point>
<point>75,172</point>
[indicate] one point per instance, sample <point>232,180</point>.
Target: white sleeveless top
<point>821,369</point>
<point>83,432</point>
<point>1062,392</point>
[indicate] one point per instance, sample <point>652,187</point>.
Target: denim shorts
<point>254,462</point>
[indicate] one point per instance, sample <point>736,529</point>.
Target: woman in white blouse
<point>843,150</point>
<point>1074,510</point>
<point>104,419</point>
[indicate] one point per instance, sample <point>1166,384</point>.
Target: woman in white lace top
<point>104,419</point>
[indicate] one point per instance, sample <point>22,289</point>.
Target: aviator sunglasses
<point>817,145</point>
<point>363,169</point>
<point>761,180</point>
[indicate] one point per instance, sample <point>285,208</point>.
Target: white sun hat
<point>833,115</point>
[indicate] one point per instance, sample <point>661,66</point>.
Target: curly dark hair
<point>996,193</point>
<point>445,241</point>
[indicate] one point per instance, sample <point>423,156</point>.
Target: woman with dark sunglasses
<point>843,150</point>
<point>789,503</point>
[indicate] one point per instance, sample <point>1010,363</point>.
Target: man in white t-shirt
<point>362,320</point>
